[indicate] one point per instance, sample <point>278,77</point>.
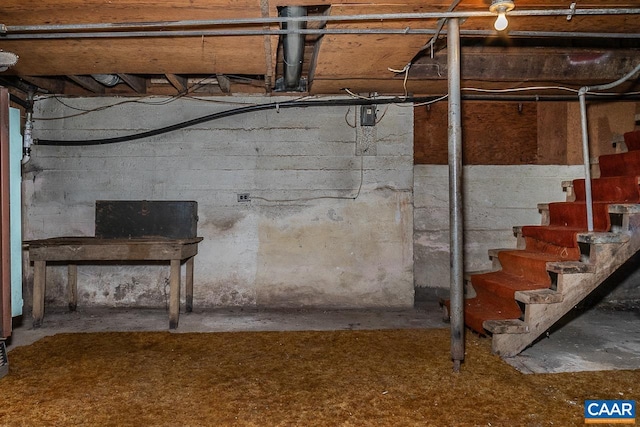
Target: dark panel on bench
<point>146,218</point>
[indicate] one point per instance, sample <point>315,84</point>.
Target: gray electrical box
<point>368,115</point>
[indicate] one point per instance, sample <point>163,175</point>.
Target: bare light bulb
<point>501,22</point>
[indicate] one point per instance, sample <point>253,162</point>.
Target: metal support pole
<point>587,160</point>
<point>455,196</point>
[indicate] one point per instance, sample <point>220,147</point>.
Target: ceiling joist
<point>87,83</point>
<point>139,84</point>
<point>348,44</point>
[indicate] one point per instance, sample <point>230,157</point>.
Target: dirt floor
<point>596,339</point>
<point>306,367</point>
<point>350,378</point>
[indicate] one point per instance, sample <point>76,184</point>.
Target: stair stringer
<point>604,260</point>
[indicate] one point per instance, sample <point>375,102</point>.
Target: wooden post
<point>174,294</point>
<point>189,285</point>
<point>39,278</point>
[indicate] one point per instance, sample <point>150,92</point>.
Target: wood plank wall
<point>504,133</point>
<point>512,133</point>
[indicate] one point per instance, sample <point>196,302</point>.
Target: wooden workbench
<point>75,250</point>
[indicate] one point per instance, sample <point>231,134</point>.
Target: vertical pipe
<point>585,137</point>
<point>586,157</point>
<point>293,47</point>
<point>5,239</point>
<point>455,196</point>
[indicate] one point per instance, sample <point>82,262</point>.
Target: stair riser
<point>499,287</point>
<point>574,215</point>
<point>620,164</point>
<point>565,252</point>
<point>619,189</point>
<point>533,270</point>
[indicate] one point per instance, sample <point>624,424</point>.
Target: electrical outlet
<point>243,197</point>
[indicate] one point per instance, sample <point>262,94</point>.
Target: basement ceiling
<point>236,46</point>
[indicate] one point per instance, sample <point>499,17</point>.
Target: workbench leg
<point>72,286</point>
<point>189,285</point>
<point>39,277</point>
<point>174,294</point>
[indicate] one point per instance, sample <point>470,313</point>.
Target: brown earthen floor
<point>599,339</point>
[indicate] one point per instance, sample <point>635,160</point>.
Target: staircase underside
<point>557,264</point>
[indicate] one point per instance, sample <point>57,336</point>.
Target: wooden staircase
<point>558,263</point>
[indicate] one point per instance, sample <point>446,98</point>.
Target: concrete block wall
<point>326,226</point>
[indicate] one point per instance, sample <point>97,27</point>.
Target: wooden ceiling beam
<point>139,84</point>
<point>20,12</point>
<point>87,83</point>
<point>224,83</point>
<point>179,82</point>
<point>175,55</point>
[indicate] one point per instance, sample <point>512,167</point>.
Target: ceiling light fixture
<point>501,7</point>
<point>7,59</point>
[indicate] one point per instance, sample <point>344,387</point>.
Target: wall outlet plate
<point>244,197</point>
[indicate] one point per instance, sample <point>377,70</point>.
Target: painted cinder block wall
<point>326,226</point>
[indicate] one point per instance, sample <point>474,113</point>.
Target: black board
<point>117,219</point>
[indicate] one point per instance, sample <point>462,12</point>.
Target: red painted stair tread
<point>479,309</point>
<point>503,284</point>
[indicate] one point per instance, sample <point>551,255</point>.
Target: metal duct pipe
<point>108,80</point>
<point>293,46</point>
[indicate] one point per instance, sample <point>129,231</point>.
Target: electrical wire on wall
<point>297,103</point>
<point>409,101</point>
<point>307,199</point>
<point>146,100</point>
<point>355,118</point>
<point>302,102</point>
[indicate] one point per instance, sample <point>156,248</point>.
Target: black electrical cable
<point>228,113</point>
<point>289,104</point>
<point>21,102</point>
